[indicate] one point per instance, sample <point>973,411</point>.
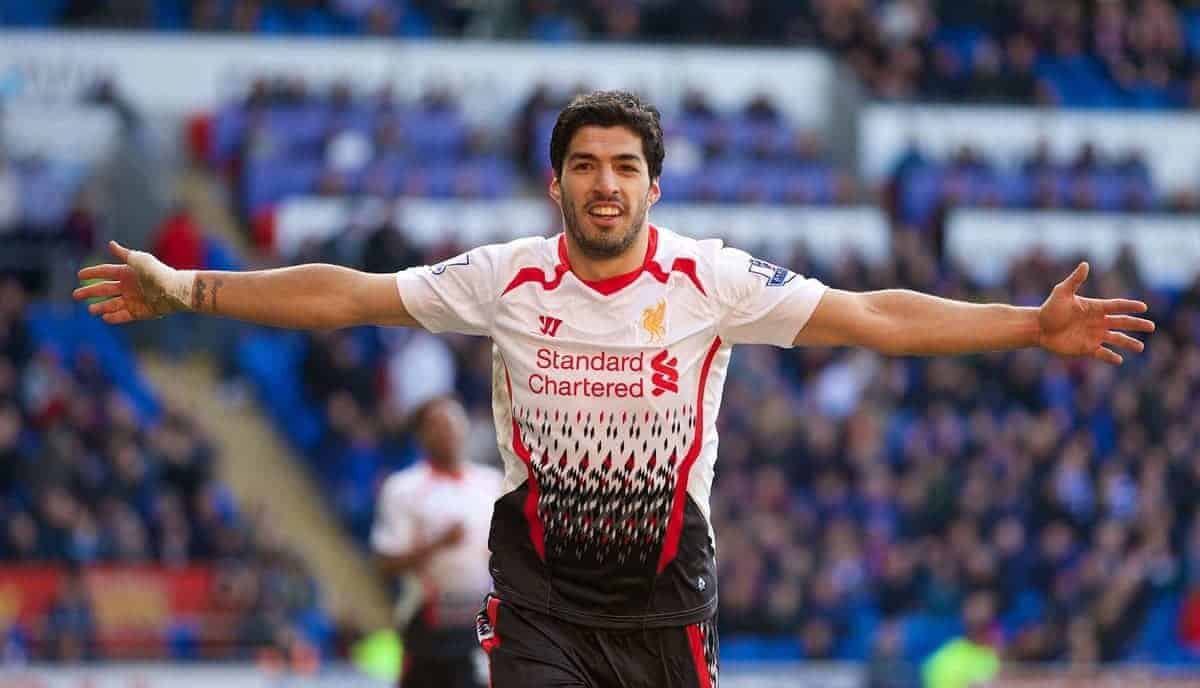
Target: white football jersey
<point>420,504</point>
<point>605,396</point>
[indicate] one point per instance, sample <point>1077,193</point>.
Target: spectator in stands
<point>972,659</point>
<point>206,15</point>
<point>988,82</point>
<point>15,345</point>
<point>10,196</point>
<point>761,110</point>
<point>888,668</point>
<point>179,239</point>
<point>546,20</point>
<point>71,623</point>
<point>336,362</point>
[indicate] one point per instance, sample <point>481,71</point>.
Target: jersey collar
<point>612,285</point>
<point>444,473</point>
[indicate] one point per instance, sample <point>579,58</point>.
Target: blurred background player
<point>431,532</point>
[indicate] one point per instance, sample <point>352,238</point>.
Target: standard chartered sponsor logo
<point>601,374</point>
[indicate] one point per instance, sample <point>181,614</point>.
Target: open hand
<point>140,287</point>
<point>1073,325</point>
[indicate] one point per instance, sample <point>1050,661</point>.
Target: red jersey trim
<point>675,524</point>
<point>539,276</point>
<point>537,531</point>
<point>685,266</point>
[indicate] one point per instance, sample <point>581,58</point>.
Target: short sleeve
<point>456,295</point>
<point>395,530</point>
<point>762,303</point>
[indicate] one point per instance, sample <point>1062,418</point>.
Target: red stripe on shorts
<point>696,642</point>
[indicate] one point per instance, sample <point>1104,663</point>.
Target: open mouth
<point>605,213</point>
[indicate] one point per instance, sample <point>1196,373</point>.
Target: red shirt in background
<point>179,242</point>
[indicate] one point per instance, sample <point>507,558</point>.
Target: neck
<point>597,269</point>
<point>448,468</point>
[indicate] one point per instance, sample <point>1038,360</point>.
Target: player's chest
<point>652,317</point>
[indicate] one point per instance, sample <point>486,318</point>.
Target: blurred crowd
<point>284,139</point>
<point>863,495</point>
<point>924,188</point>
<point>89,477</point>
<point>287,139</point>
<point>1105,53</point>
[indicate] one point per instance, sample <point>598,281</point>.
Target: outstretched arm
<point>902,322</point>
<point>315,296</point>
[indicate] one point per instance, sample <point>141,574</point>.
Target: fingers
<point>1128,322</point>
<point>1107,355</point>
<point>1124,341</point>
<point>119,251</point>
<point>1123,306</point>
<point>118,318</point>
<point>99,289</point>
<point>107,271</point>
<point>109,306</point>
<point>1076,278</point>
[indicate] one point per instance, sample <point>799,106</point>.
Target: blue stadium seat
<point>70,329</point>
<point>271,360</point>
<point>439,135</point>
<point>924,633</point>
<point>24,13</point>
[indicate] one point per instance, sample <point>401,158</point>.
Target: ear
<point>655,192</point>
<point>556,190</point>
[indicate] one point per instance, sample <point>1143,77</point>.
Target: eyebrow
<point>623,157</point>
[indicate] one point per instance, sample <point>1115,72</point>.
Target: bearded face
<point>605,191</point>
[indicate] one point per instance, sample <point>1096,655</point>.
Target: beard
<point>598,244</point>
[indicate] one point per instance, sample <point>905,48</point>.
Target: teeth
<point>608,212</point>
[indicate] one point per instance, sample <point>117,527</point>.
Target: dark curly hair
<point>609,109</point>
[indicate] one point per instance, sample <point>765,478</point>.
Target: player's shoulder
<point>704,253</point>
<point>484,473</point>
<point>522,249</point>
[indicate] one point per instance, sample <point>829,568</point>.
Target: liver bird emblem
<point>654,321</point>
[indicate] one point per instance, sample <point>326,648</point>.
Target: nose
<point>606,182</point>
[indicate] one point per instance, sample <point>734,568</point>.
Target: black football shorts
<point>529,649</point>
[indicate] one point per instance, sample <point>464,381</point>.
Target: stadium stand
<point>284,140</point>
<point>863,505</point>
<point>1083,53</point>
<point>927,188</point>
<point>100,483</point>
